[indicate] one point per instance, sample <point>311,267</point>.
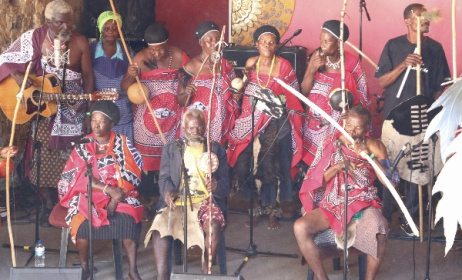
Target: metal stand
<point>362,5</point>
<point>251,250</point>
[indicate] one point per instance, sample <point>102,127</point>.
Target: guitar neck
<point>65,97</point>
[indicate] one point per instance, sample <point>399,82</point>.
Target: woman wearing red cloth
<point>116,168</point>
<point>280,139</point>
<point>322,77</point>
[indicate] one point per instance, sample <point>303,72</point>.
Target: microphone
<point>323,123</point>
<point>397,159</point>
<point>57,52</point>
<point>83,141</point>
<point>296,33</point>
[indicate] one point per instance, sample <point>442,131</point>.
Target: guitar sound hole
<point>36,96</point>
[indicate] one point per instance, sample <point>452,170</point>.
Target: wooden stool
<point>57,219</point>
<point>328,250</point>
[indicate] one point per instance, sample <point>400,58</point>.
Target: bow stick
<point>137,78</point>
<point>19,97</point>
<point>363,154</point>
<point>209,148</point>
<point>361,53</point>
<point>454,52</point>
<point>342,56</point>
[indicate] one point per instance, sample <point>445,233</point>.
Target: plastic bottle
<point>39,254</point>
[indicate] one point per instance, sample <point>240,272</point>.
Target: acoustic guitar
<point>52,93</point>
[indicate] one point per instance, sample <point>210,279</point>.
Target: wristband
<point>372,155</point>
<point>87,114</point>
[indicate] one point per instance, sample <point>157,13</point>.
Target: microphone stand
<point>362,5</point>
<point>89,175</point>
<point>345,213</point>
<point>429,225</point>
<point>252,248</point>
<point>296,33</point>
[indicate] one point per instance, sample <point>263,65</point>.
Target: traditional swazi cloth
<point>331,197</point>
<point>28,47</point>
<point>120,166</point>
<point>109,72</point>
<point>324,83</point>
<point>163,88</point>
<point>223,103</point>
<point>240,136</point>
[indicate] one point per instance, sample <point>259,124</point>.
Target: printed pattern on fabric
<point>21,51</point>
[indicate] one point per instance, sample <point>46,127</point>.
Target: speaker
<point>190,276</point>
<point>296,55</point>
<point>46,273</point>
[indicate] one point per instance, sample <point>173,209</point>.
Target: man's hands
<point>412,60</point>
<point>134,71</point>
<point>211,184</point>
<point>170,198</point>
<point>8,151</point>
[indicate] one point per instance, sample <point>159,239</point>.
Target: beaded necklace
<point>101,147</point>
<point>63,44</point>
<point>207,63</point>
<point>335,65</point>
<point>269,74</point>
<point>170,59</point>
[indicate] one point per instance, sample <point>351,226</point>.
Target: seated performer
<point>110,63</point>
<point>322,195</point>
<point>198,80</point>
<point>169,220</point>
<point>280,139</point>
<point>323,77</point>
<point>70,122</point>
<point>116,168</point>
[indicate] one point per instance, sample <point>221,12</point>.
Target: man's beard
<point>195,138</point>
<point>64,35</point>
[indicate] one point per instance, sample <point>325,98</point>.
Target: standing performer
<point>76,76</point>
<point>197,83</point>
<point>157,66</point>
<point>397,55</point>
<point>169,220</point>
<point>280,139</point>
<point>110,63</point>
<point>322,195</point>
<point>322,79</point>
<point>116,170</point>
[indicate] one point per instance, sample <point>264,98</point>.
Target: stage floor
<point>404,258</point>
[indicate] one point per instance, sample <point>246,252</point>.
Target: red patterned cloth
<point>324,83</point>
<point>217,214</point>
<point>241,135</point>
<point>163,88</point>
<point>120,166</point>
<point>223,103</point>
<point>331,197</point>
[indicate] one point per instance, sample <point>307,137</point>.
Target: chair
<point>328,250</point>
<point>57,219</point>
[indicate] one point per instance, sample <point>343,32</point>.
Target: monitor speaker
<point>190,276</point>
<point>46,273</point>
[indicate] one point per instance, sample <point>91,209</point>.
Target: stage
<point>397,264</point>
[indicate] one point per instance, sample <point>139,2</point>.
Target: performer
<point>197,82</point>
<point>110,63</point>
<point>116,167</point>
<point>397,55</point>
<point>323,77</point>
<point>70,123</point>
<point>281,139</point>
<point>169,220</point>
<point>322,195</point>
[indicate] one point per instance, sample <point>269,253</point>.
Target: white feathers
<point>450,206</point>
<point>450,117</point>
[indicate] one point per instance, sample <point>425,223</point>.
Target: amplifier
<point>46,273</point>
<point>296,55</point>
<point>191,276</point>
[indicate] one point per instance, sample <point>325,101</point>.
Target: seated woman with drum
<point>279,133</point>
<point>322,85</point>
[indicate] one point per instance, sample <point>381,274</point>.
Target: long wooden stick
<point>361,53</point>
<point>137,78</point>
<point>342,56</point>
<point>13,127</point>
<point>454,51</point>
<point>349,138</point>
<point>209,150</point>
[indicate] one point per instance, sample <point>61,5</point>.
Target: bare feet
<point>133,275</point>
<point>256,220</point>
<point>273,223</point>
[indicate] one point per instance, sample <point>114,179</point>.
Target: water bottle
<point>39,254</point>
